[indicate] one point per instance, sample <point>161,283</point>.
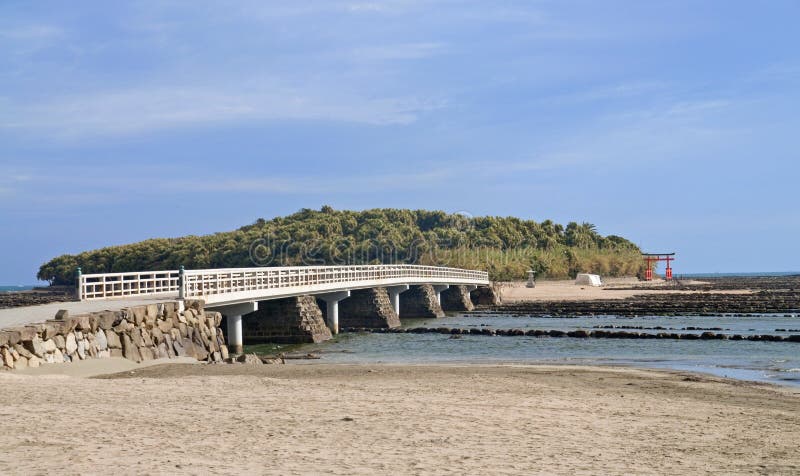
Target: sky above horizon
<point>671,123</point>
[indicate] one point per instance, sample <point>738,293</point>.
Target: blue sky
<point>672,123</point>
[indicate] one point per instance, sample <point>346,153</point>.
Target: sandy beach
<point>567,290</point>
<point>383,419</point>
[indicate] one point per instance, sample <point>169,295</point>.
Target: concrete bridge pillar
<point>332,308</point>
<point>394,296</point>
<point>438,288</point>
<point>233,314</point>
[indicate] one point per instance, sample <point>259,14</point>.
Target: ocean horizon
<point>19,287</point>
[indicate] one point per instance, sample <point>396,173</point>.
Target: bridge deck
<point>221,287</point>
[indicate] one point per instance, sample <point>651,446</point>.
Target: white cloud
<point>146,109</point>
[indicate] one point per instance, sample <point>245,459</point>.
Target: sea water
<point>776,362</point>
<point>4,289</point>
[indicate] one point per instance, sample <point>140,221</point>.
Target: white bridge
<point>236,291</point>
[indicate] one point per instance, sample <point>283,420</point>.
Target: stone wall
<point>137,333</point>
<point>457,298</point>
<point>486,296</point>
<point>420,301</point>
<point>294,320</point>
<point>368,308</point>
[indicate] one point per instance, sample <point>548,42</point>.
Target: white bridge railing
<point>277,280</point>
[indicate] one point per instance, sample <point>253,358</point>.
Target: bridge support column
<point>235,340</point>
<point>457,298</point>
<point>486,296</point>
<point>233,314</point>
<point>370,308</point>
<point>438,288</point>
<point>421,302</point>
<point>394,296</point>
<point>332,308</point>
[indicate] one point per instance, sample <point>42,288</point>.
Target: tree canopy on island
<point>505,246</point>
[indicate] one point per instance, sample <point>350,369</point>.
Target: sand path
<point>567,290</point>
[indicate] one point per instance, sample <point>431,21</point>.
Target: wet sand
<point>386,419</point>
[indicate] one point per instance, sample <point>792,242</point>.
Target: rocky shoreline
<point>760,295</point>
<point>36,296</point>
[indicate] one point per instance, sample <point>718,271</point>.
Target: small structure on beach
<point>652,260</point>
<point>586,279</point>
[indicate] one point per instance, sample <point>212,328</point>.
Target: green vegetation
<point>506,247</point>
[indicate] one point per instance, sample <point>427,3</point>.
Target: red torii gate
<point>655,258</point>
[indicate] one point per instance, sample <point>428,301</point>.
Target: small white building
<point>586,279</point>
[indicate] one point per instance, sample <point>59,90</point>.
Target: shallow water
<point>776,362</point>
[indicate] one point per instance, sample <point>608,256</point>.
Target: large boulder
<point>81,349</point>
<point>13,336</point>
<point>177,344</point>
<point>50,346</point>
<point>161,351</point>
<point>129,350</point>
<point>100,340</point>
<point>165,325</point>
<point>72,344</point>
<point>136,336</point>
<point>35,346</point>
<point>250,359</point>
<point>23,351</point>
<point>8,359</point>
<point>60,342</point>
<point>138,314</point>
<point>106,320</point>
<point>146,353</point>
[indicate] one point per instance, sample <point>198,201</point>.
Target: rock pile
<point>137,333</point>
